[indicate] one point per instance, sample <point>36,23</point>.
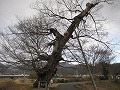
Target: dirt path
<point>70,86</point>
<point>67,87</point>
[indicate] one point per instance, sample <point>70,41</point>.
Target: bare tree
<point>97,53</point>
<point>105,57</point>
<point>35,42</point>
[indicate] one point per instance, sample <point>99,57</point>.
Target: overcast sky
<point>9,9</point>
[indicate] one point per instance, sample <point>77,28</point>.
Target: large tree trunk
<point>50,69</point>
<point>44,78</point>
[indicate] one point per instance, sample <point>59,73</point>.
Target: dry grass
<point>26,81</point>
<point>19,84</point>
<point>8,84</point>
<point>103,85</point>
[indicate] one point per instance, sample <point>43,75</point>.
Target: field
<point>101,85</point>
<point>19,84</point>
<point>9,84</point>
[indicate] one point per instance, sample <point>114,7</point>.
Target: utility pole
<point>91,76</point>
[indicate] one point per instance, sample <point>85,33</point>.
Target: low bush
<point>85,78</point>
<point>33,75</point>
<point>74,79</point>
<point>62,81</point>
<point>103,78</point>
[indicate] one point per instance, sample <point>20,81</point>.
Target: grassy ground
<point>8,84</point>
<point>101,85</point>
<point>18,84</point>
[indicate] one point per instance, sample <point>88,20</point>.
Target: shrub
<point>103,78</point>
<point>33,75</point>
<point>62,81</point>
<point>85,78</point>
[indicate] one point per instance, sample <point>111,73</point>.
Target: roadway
<point>70,86</point>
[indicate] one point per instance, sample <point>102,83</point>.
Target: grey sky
<point>113,25</point>
<point>10,8</point>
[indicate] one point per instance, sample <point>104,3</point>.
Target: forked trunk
<point>44,79</point>
<point>48,72</point>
